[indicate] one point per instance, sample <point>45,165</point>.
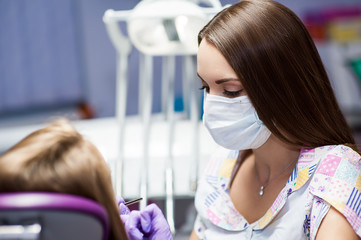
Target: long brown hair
<point>57,158</point>
<point>278,64</point>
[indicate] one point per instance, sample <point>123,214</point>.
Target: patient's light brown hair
<point>57,158</point>
<point>278,64</point>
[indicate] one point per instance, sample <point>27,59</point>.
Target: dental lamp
<point>166,27</point>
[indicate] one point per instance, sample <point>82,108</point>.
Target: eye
<point>204,87</point>
<point>232,94</point>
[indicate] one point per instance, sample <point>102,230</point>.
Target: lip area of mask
<point>233,122</point>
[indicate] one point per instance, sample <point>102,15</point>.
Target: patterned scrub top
<point>323,177</point>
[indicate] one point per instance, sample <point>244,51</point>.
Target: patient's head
<point>57,158</point>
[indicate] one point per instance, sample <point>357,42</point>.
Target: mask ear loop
<point>204,101</point>
<point>258,121</point>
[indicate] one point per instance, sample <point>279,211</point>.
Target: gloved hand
<point>123,210</point>
<point>148,224</point>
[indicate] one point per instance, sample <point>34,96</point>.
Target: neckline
<point>282,171</point>
<point>219,206</point>
<point>277,203</point>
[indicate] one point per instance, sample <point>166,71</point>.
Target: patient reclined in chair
<point>38,172</point>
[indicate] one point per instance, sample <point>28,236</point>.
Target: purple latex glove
<point>148,224</point>
<point>123,210</point>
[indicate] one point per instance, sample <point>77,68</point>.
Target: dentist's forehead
<point>211,64</point>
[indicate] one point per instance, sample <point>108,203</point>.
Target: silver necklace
<point>271,179</point>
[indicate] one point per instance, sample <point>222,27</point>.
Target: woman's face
<point>217,76</point>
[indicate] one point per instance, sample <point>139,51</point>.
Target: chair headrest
<point>54,201</point>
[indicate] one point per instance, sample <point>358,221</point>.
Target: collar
<point>227,215</point>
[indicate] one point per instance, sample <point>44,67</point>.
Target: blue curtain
<point>39,54</point>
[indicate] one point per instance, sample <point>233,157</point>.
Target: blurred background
<point>57,59</point>
<point>56,55</point>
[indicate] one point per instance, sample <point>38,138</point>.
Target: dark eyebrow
<point>225,80</point>
<point>220,81</point>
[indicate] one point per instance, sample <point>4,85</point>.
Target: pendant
<point>261,191</point>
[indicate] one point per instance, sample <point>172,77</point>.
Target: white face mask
<point>233,122</point>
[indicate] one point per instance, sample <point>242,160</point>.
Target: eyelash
<point>225,92</point>
<point>204,87</point>
<point>232,94</point>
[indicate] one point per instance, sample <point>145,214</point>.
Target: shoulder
<point>212,201</point>
<point>221,163</point>
<point>337,183</point>
<point>216,175</point>
<point>335,225</point>
<point>338,168</point>
<point>339,162</point>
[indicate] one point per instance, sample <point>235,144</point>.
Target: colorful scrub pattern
<point>323,177</point>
